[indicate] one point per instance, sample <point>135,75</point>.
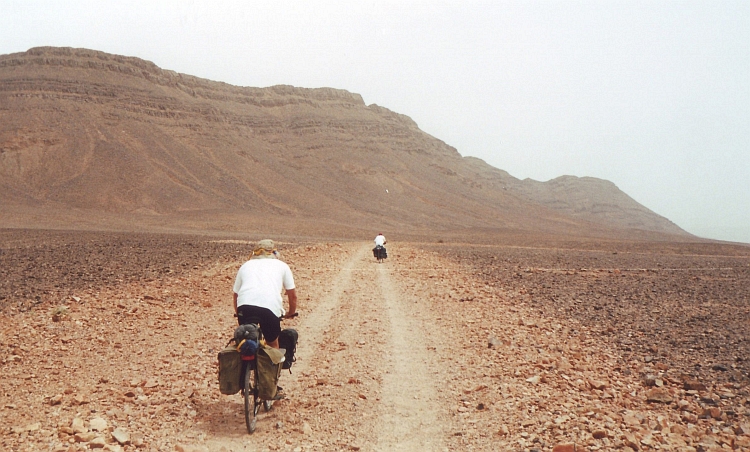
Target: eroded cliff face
<point>114,135</point>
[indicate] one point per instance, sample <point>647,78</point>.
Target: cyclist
<point>379,251</point>
<point>257,291</point>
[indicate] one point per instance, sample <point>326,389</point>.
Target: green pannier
<point>230,367</point>
<point>268,362</point>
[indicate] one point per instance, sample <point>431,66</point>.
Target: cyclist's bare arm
<point>292,296</point>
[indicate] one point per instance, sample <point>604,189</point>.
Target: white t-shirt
<point>380,240</point>
<point>259,283</point>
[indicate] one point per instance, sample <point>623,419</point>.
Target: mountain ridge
<point>117,137</point>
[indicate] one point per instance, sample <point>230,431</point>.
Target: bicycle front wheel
<point>251,399</point>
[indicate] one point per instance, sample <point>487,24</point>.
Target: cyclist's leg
<point>269,323</point>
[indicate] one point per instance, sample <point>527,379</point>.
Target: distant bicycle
<point>380,253</point>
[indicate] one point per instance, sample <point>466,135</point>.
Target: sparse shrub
<point>59,313</point>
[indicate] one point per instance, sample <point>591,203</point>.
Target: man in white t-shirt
<point>380,240</point>
<point>257,291</point>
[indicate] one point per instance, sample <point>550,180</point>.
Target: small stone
<point>596,384</point>
<point>599,434</point>
<point>534,380</point>
<point>77,425</point>
<point>97,443</point>
<point>742,428</point>
<point>689,418</point>
<point>659,395</point>
<point>306,429</point>
<point>565,447</point>
<point>121,435</point>
<point>694,385</point>
<point>98,424</point>
<point>714,412</point>
<point>631,441</point>
<point>56,400</point>
<point>137,439</point>
<point>84,437</point>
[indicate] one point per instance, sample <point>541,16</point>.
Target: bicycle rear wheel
<point>252,402</point>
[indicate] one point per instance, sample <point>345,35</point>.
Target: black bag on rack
<point>288,340</point>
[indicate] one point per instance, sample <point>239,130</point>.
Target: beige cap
<point>264,249</point>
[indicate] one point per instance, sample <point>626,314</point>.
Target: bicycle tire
<point>251,399</point>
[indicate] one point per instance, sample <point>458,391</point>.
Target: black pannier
<point>379,252</point>
<point>288,341</point>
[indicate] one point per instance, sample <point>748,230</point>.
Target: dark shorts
<point>269,323</point>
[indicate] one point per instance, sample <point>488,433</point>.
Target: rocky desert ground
<point>109,341</point>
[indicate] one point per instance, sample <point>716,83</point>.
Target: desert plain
<point>109,341</point>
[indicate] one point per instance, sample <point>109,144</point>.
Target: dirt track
<point>482,366</point>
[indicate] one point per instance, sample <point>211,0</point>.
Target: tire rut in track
<point>410,418</point>
<point>372,388</point>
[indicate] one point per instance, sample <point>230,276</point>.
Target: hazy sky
<point>653,96</point>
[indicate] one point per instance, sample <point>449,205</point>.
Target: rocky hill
<point>99,141</point>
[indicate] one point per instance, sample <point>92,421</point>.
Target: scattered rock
<point>121,436</point>
<point>694,385</point>
<point>98,424</point>
<point>534,380</point>
<point>85,437</point>
<point>78,426</point>
<point>659,395</point>
<point>97,443</point>
<point>599,434</point>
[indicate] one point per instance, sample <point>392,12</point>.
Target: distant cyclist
<point>379,251</point>
<point>257,291</point>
